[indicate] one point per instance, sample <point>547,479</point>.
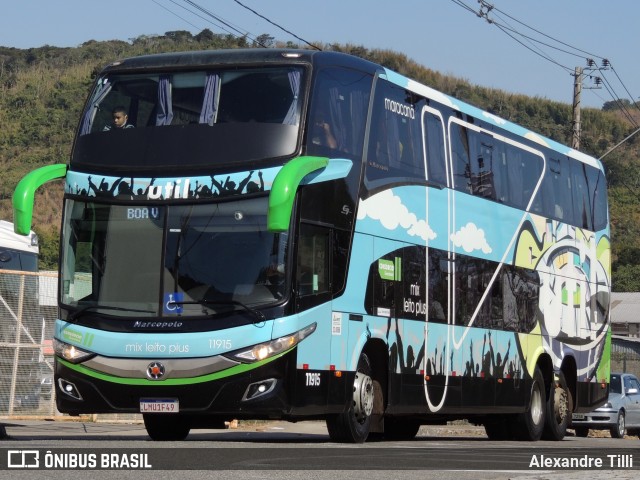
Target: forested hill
<point>42,91</point>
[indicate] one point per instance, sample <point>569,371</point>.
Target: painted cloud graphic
<point>388,209</point>
<point>496,119</point>
<point>471,238</point>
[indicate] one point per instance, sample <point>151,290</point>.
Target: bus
<point>20,322</point>
<point>17,252</point>
<point>291,234</point>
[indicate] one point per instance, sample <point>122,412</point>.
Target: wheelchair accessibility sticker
<point>173,302</point>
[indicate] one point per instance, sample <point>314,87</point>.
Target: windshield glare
<point>171,260</point>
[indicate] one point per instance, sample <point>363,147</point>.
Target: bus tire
<point>531,422</point>
<point>164,428</point>
<point>352,425</point>
<point>559,407</point>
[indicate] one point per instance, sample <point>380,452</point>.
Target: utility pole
<point>577,90</point>
<point>578,78</point>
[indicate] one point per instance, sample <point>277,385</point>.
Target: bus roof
<point>10,239</point>
<point>248,56</point>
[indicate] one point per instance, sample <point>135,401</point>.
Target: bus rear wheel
<point>164,428</point>
<point>531,422</point>
<point>559,407</point>
<point>352,425</point>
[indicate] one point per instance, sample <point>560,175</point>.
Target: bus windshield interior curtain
<point>292,115</point>
<point>211,99</point>
<point>89,115</point>
<point>165,110</point>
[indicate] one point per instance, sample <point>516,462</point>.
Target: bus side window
<point>434,139</point>
<point>461,158</point>
<point>581,201</point>
<point>394,151</point>
<point>339,105</point>
<point>545,202</point>
<point>598,195</point>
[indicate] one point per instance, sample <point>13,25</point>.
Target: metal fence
<point>28,311</point>
<point>26,354</point>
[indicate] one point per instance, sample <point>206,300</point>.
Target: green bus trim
<point>235,370</point>
<point>283,190</point>
<point>24,194</point>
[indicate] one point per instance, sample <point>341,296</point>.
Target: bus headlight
<point>266,350</point>
<point>71,353</point>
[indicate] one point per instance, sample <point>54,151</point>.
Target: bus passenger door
<point>312,284</point>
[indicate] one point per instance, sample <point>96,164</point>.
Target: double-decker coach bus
<point>284,234</point>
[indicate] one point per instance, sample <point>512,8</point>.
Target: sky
<point>531,47</point>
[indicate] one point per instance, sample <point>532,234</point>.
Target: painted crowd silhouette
<point>123,189</point>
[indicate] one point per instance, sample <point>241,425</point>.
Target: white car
<point>620,415</point>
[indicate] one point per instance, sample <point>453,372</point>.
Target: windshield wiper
<point>257,314</point>
<point>81,311</point>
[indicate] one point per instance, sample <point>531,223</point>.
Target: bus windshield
<point>191,118</point>
<point>171,260</point>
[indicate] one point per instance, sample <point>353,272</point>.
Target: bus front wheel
<point>164,428</point>
<point>352,425</point>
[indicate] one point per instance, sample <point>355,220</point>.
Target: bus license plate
<point>578,416</point>
<point>159,405</point>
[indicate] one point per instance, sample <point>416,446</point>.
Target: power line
<point>174,13</point>
<point>228,27</point>
<point>620,143</point>
<point>544,34</point>
<point>220,23</point>
<point>546,57</point>
<point>276,25</point>
<point>212,15</point>
<point>484,11</point>
<point>617,100</point>
<point>625,87</point>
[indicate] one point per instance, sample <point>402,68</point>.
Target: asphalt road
<point>286,451</point>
